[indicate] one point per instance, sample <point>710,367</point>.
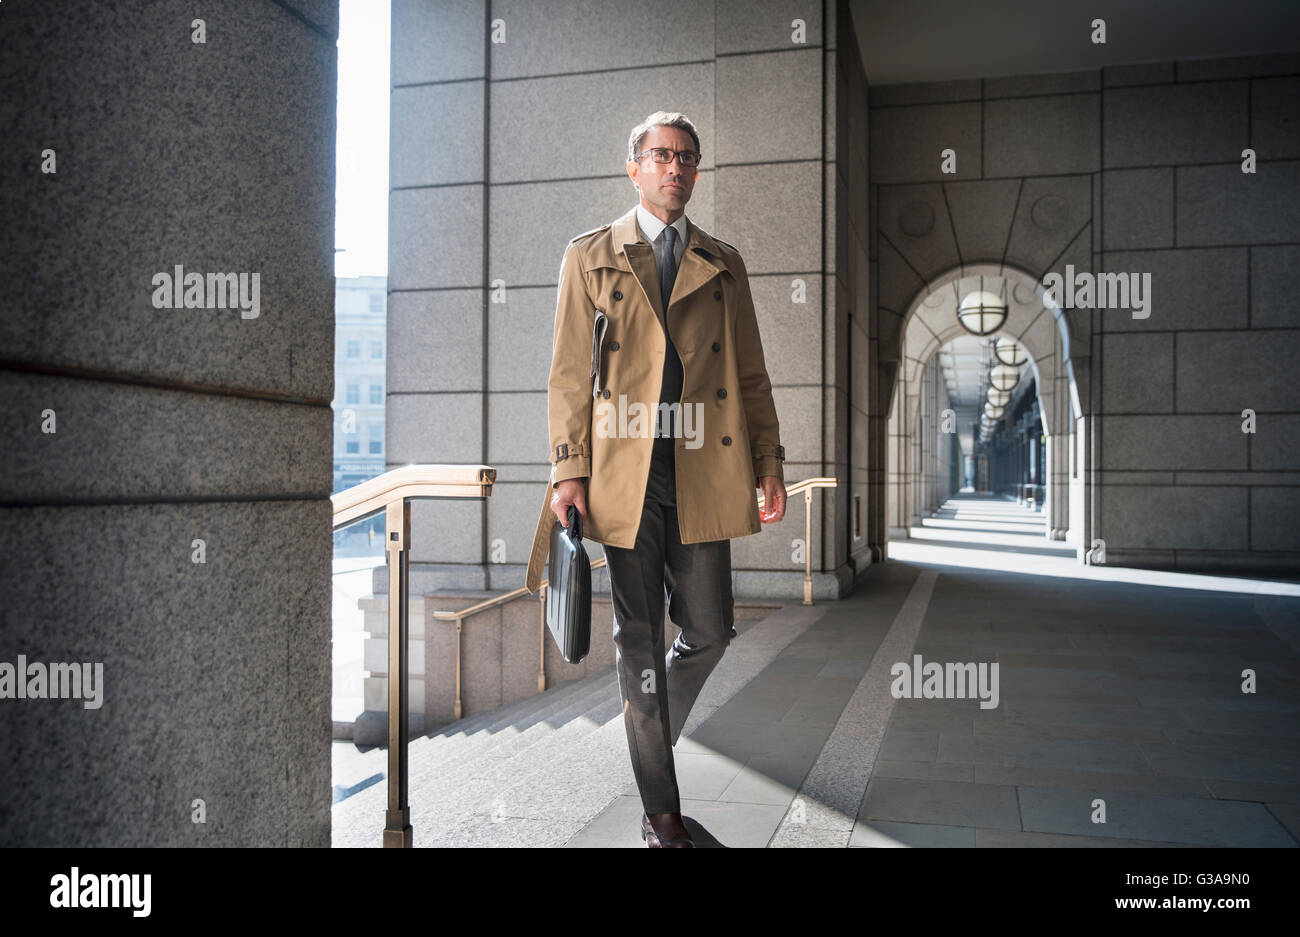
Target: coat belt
<point>541,543</point>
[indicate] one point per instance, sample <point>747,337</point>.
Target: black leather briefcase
<point>568,590</point>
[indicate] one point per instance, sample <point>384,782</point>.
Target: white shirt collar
<point>652,227</point>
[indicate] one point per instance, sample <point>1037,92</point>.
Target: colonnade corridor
<point>986,523</point>
<point>1118,706</point>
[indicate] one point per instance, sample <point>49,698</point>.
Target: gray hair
<point>659,119</point>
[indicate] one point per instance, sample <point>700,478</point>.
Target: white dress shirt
<point>653,229</point>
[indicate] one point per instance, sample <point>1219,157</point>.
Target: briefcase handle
<point>574,527</point>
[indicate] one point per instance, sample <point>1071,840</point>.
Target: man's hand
<point>773,498</point>
<point>570,491</point>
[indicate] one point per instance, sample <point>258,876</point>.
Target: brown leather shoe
<point>655,840</point>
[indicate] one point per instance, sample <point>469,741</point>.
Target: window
<point>376,393</point>
<point>376,439</point>
<point>353,394</point>
<point>353,447</point>
<point>376,302</point>
<point>376,349</point>
<point>354,348</point>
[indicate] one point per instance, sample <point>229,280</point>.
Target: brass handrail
<point>392,493</point>
<point>805,485</point>
<point>411,481</point>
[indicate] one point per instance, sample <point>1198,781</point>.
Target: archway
<point>917,425</point>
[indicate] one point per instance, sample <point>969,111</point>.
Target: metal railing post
<point>397,828</point>
<point>541,639</point>
<point>807,546</point>
<point>458,709</point>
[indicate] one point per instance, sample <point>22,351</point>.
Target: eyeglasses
<point>662,154</point>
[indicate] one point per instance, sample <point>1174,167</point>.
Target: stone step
<point>535,775</point>
<point>470,755</point>
<point>545,806</point>
<point>543,768</point>
<point>548,791</point>
<point>455,739</point>
<point>469,725</point>
<point>449,789</point>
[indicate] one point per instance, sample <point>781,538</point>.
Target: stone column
<point>168,465</point>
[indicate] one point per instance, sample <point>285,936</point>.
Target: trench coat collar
<point>626,231</point>
<point>701,262</point>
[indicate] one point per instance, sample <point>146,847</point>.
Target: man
<point>661,424</point>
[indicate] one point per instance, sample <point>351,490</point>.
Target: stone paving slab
<point>1176,760</point>
<point>1289,816</point>
<point>910,745</point>
<point>1008,839</point>
<point>1241,723</point>
<point>890,835</point>
<point>712,824</point>
<point>1253,790</point>
<point>948,803</point>
<point>1046,730</point>
<point>925,770</point>
<point>796,836</point>
<point>705,774</point>
<point>768,779</point>
<point>1035,776</point>
<point>1197,820</point>
<point>1097,713</point>
<point>1070,754</point>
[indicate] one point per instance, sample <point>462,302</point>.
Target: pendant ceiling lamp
<point>994,412</point>
<point>982,312</point>
<point>999,398</point>
<point>1004,377</point>
<point>1009,351</point>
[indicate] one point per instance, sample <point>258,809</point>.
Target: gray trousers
<point>658,691</point>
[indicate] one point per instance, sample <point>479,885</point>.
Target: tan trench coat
<point>712,322</point>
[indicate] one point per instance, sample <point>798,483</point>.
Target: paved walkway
<point>1120,716</point>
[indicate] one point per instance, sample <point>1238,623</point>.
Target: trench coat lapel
<point>694,271</point>
<point>641,259</point>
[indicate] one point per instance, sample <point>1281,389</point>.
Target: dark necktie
<point>672,377</point>
<point>668,270</point>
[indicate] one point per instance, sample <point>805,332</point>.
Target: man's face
<point>665,187</point>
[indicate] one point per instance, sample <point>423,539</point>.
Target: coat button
<point>717,294</point>
<point>717,347</point>
<point>618,294</point>
<point>613,346</point>
<point>605,393</point>
<point>722,391</point>
<point>726,440</point>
